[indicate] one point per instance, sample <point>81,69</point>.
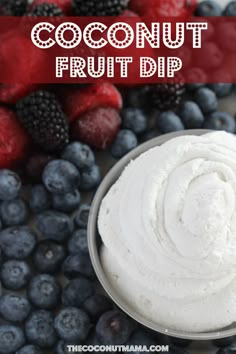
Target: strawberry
<point>14,140</point>
<point>77,102</point>
<point>129,13</point>
<point>11,93</point>
<point>155,8</point>
<point>97,128</point>
<point>138,6</point>
<point>64,5</point>
<point>18,69</point>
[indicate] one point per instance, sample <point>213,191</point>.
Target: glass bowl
<point>94,242</point>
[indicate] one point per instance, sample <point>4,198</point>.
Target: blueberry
<point>60,176</point>
<point>195,78</point>
<point>15,275</point>
<point>137,97</point>
<point>39,329</point>
<point>11,339</point>
<point>14,212</point>
<point>48,257</point>
<point>223,342</point>
<point>90,178</point>
<point>230,9</point>
<point>176,350</point>
<point>125,141</point>
<point>179,342</point>
<point>66,202</point>
<point>169,122</point>
<point>208,8</point>
<point>29,349</point>
<point>220,121</point>
<point>82,215</point>
<point>206,99</point>
<point>92,339</point>
<point>79,154</point>
<point>10,185</point>
<point>191,115</point>
<point>54,225</point>
<point>114,327</point>
<point>78,242</point>
<point>61,348</point>
<point>39,199</point>
<point>140,338</point>
<point>72,324</point>
<point>77,291</point>
<point>14,308</point>
<point>221,89</point>
<point>17,242</point>
<point>135,120</point>
<point>150,134</point>
<point>96,305</point>
<point>44,291</point>
<point>78,264</point>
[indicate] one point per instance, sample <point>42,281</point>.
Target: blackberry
<point>42,116</point>
<point>167,96</point>
<point>99,7</point>
<point>13,7</point>
<point>46,10</point>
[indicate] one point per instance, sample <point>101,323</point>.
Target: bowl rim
<point>107,182</point>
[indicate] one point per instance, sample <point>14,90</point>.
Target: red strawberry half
<point>11,93</point>
<point>77,102</point>
<point>14,140</point>
<point>98,128</point>
<point>155,8</point>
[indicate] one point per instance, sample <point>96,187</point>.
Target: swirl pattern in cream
<point>168,227</point>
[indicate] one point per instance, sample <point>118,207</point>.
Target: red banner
<point>124,50</point>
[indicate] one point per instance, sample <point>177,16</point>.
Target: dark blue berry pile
<point>50,294</point>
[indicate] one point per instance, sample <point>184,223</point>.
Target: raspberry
<point>98,128</point>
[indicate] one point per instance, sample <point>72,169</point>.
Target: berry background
<point>92,165</point>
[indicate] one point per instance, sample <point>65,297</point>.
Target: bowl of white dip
<point>162,234</point>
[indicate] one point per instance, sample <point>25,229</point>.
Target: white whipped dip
<point>169,231</point>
